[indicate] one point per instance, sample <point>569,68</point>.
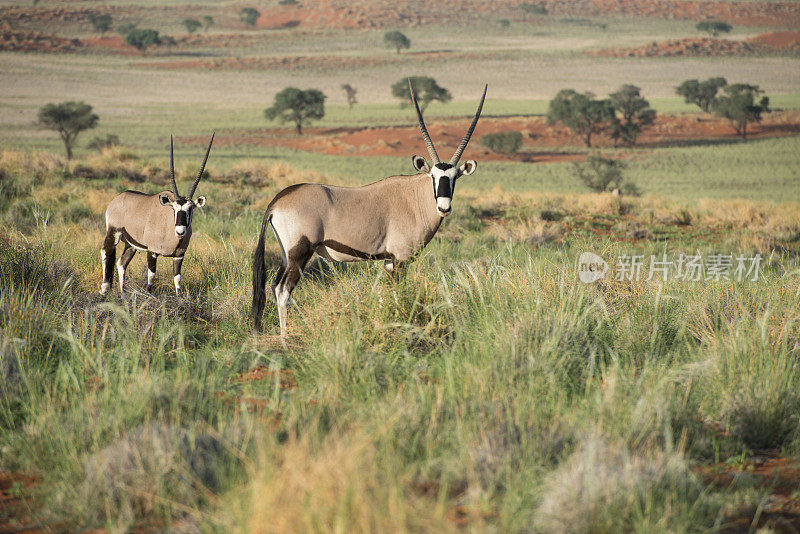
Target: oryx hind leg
<point>108,257</point>
<point>288,275</point>
<point>176,273</point>
<point>122,264</point>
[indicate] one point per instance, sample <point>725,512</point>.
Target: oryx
<point>391,219</point>
<point>160,225</point>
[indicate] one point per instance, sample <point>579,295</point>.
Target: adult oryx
<point>391,219</point>
<point>160,225</point>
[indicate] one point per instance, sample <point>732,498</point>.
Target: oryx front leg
<point>151,270</point>
<point>176,274</point>
<point>122,265</point>
<point>108,257</point>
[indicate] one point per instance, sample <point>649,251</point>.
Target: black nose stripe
<point>444,187</point>
<point>181,219</point>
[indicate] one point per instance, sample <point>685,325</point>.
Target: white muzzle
<point>443,206</point>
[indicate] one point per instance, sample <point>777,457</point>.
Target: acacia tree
<point>699,93</point>
<point>350,93</point>
<point>635,112</point>
<point>426,89</point>
<point>191,25</point>
<point>581,113</point>
<point>68,119</point>
<point>738,105</point>
<point>714,27</point>
<point>143,38</point>
<point>297,106</point>
<point>249,15</point>
<point>397,40</point>
<point>101,23</point>
<point>208,21</point>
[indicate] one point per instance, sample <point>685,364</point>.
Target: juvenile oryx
<point>160,225</point>
<point>391,219</point>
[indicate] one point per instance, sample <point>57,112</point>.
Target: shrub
<point>297,106</point>
<point>504,23</point>
<point>581,113</point>
<point>142,39</point>
<point>703,94</point>
<point>101,23</point>
<point>249,15</point>
<point>68,119</point>
<point>603,174</point>
<point>636,114</point>
<point>426,89</point>
<point>397,40</point>
<point>714,27</point>
<point>99,143</point>
<point>739,107</point>
<point>503,142</point>
<point>191,25</point>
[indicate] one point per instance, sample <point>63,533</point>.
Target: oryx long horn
<point>428,142</point>
<point>172,168</point>
<point>202,167</point>
<point>465,140</point>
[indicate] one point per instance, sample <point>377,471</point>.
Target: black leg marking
<point>108,257</point>
<point>176,273</point>
<point>151,269</point>
<point>122,265</point>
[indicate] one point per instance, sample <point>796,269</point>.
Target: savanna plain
<point>486,388</point>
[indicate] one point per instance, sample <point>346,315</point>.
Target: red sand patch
<point>768,43</point>
<point>403,141</point>
<point>780,475</point>
<point>15,508</point>
<point>285,377</point>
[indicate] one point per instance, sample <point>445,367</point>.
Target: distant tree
<point>142,39</point>
<point>738,105</point>
<point>101,23</point>
<point>350,93</point>
<point>503,142</point>
<point>191,25</point>
<point>396,40</point>
<point>249,15</point>
<point>714,27</point>
<point>699,93</point>
<point>68,119</point>
<point>288,2</point>
<point>99,143</point>
<point>426,89</point>
<point>504,23</point>
<point>126,28</point>
<point>208,21</point>
<point>297,106</point>
<point>635,112</point>
<point>581,113</point>
<point>533,9</point>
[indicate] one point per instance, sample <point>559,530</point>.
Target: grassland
<point>486,389</point>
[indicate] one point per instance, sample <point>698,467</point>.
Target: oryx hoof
<point>104,288</point>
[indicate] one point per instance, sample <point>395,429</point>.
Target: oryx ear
<point>468,167</point>
<point>420,164</point>
<point>164,199</point>
<point>200,202</point>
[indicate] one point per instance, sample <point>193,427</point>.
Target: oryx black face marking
<point>159,224</point>
<point>390,220</point>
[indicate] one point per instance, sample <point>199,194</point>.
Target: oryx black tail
<point>260,275</point>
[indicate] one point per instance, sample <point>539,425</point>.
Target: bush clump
<point>503,142</point>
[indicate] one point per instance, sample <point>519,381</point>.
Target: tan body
<point>387,220</point>
<point>146,224</point>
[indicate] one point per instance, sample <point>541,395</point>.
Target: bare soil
<point>787,42</point>
<point>539,139</point>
